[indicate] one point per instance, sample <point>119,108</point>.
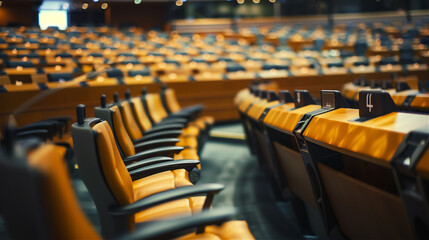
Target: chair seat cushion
<point>153,184</point>
<point>188,142</point>
<point>167,210</point>
<point>191,131</point>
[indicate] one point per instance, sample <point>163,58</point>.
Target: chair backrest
<point>114,170</point>
<point>121,133</point>
<point>129,120</point>
<point>141,116</point>
<point>155,108</point>
<point>112,115</point>
<point>52,211</point>
<point>103,173</point>
<point>171,100</point>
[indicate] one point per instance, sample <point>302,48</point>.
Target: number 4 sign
<point>375,103</point>
<point>369,101</point>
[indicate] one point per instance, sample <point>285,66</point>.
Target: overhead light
<point>137,1</point>
<point>104,6</point>
<point>256,1</point>
<point>179,3</point>
<point>273,1</point>
<point>240,1</point>
<point>1,3</point>
<point>84,6</point>
<point>65,5</point>
<point>95,0</point>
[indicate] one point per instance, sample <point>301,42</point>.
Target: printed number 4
<point>369,101</point>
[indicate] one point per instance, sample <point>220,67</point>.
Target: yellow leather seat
<point>133,125</point>
<point>142,187</point>
<point>174,107</point>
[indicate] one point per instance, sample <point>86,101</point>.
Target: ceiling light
<point>84,6</point>
<point>104,5</point>
<point>256,1</point>
<point>179,3</point>
<point>240,1</point>
<point>137,1</point>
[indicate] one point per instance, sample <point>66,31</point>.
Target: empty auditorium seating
<point>112,184</point>
<point>353,166</point>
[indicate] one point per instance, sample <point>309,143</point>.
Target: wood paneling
<point>217,96</point>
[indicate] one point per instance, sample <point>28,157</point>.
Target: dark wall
<point>14,13</point>
<point>146,15</point>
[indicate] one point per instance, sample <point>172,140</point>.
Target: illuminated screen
<point>53,18</point>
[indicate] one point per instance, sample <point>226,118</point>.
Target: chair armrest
<point>51,126</point>
<point>173,126</point>
<point>167,196</point>
<point>171,119</point>
<point>156,152</point>
<point>43,134</point>
<point>157,135</point>
<point>162,167</point>
<point>147,162</point>
<point>173,228</point>
<point>156,143</point>
<point>64,119</point>
<point>193,108</point>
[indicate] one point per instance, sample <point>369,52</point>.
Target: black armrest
<point>157,135</point>
<point>147,162</point>
<point>173,228</point>
<point>193,108</point>
<point>167,196</point>
<point>43,134</point>
<point>173,126</point>
<point>64,119</point>
<point>162,167</point>
<point>51,126</point>
<point>156,152</point>
<point>171,119</point>
<point>156,143</point>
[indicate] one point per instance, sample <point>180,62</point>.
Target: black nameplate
<point>402,86</point>
<point>375,103</point>
<point>386,84</point>
<point>272,96</point>
<point>423,86</point>
<point>303,98</point>
<point>332,99</point>
<point>263,94</point>
<point>285,96</point>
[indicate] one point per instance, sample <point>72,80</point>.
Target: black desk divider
<point>373,104</point>
<point>412,189</point>
<point>285,96</point>
<point>303,98</point>
<point>331,100</point>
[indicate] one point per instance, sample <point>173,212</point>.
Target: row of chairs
<point>138,158</point>
<point>408,93</point>
<point>357,173</point>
